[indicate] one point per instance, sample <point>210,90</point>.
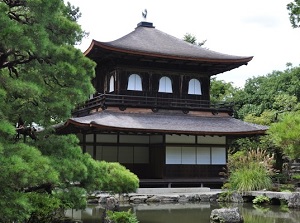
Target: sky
<point>258,28</point>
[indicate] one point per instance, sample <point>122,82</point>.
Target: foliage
<point>241,159</point>
<point>250,177</point>
<point>225,196</point>
<point>286,134</point>
<point>42,78</point>
<point>249,170</point>
<point>192,39</point>
<point>287,187</point>
<point>121,217</point>
<point>277,92</point>
<point>221,91</point>
<point>294,13</point>
<point>116,178</point>
<point>260,199</point>
<point>265,118</point>
<point>296,176</point>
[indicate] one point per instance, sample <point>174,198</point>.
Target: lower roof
<point>160,122</point>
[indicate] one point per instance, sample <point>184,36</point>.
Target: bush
<point>260,199</point>
<point>296,176</point>
<point>117,179</point>
<point>250,177</point>
<point>121,217</point>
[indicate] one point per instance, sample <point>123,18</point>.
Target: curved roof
<point>145,40</point>
<point>172,123</point>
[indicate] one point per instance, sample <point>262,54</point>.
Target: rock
<point>236,198</point>
<point>294,200</point>
<point>163,199</point>
<point>138,199</point>
<point>233,197</point>
<point>112,204</point>
<point>183,199</point>
<point>226,215</point>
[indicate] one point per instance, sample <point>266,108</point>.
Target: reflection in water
<point>191,213</point>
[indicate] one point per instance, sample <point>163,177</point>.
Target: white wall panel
<point>203,155</point>
<point>173,155</point>
<point>188,155</point>
<point>218,155</point>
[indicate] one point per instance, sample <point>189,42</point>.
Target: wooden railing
<point>125,101</point>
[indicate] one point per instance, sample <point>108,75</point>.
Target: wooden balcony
<point>103,101</point>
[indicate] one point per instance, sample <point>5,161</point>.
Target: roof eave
<point>94,43</point>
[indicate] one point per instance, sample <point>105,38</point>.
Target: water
<point>193,213</point>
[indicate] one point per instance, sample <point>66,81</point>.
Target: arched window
<point>194,87</point>
<point>134,82</point>
<point>165,85</point>
<point>111,84</point>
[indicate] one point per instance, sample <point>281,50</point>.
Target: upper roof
<point>161,122</point>
<point>145,40</point>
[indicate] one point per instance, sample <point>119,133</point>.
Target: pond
<point>193,213</point>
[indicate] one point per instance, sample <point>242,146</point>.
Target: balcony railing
<point>102,101</point>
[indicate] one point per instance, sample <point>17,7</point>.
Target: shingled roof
<point>146,40</point>
<point>172,123</point>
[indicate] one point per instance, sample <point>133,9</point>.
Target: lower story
<point>162,159</point>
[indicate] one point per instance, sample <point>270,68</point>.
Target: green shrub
<point>117,179</point>
<point>225,196</point>
<point>260,199</point>
<point>296,176</point>
<point>121,217</point>
<point>250,177</point>
<point>287,187</point>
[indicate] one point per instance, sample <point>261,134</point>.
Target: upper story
<point>148,68</point>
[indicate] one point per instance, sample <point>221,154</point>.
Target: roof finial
<point>144,14</point>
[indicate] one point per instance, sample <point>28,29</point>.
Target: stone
<point>233,197</point>
<point>163,199</point>
<point>138,199</point>
<point>236,198</point>
<point>294,200</point>
<point>226,215</point>
<point>112,204</point>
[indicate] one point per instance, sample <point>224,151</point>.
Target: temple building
<point>152,111</point>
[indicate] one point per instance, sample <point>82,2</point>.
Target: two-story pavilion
<point>152,110</point>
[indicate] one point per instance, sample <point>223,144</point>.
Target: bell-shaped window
<point>165,85</point>
<point>134,82</point>
<point>194,87</point>
<point>111,84</point>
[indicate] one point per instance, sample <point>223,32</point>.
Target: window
<point>196,155</point>
<point>134,82</point>
<point>165,85</point>
<point>111,84</point>
<point>194,87</point>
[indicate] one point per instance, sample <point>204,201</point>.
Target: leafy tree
<point>42,77</point>
<point>286,134</point>
<point>221,91</point>
<point>294,13</point>
<point>192,39</point>
<point>277,92</point>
